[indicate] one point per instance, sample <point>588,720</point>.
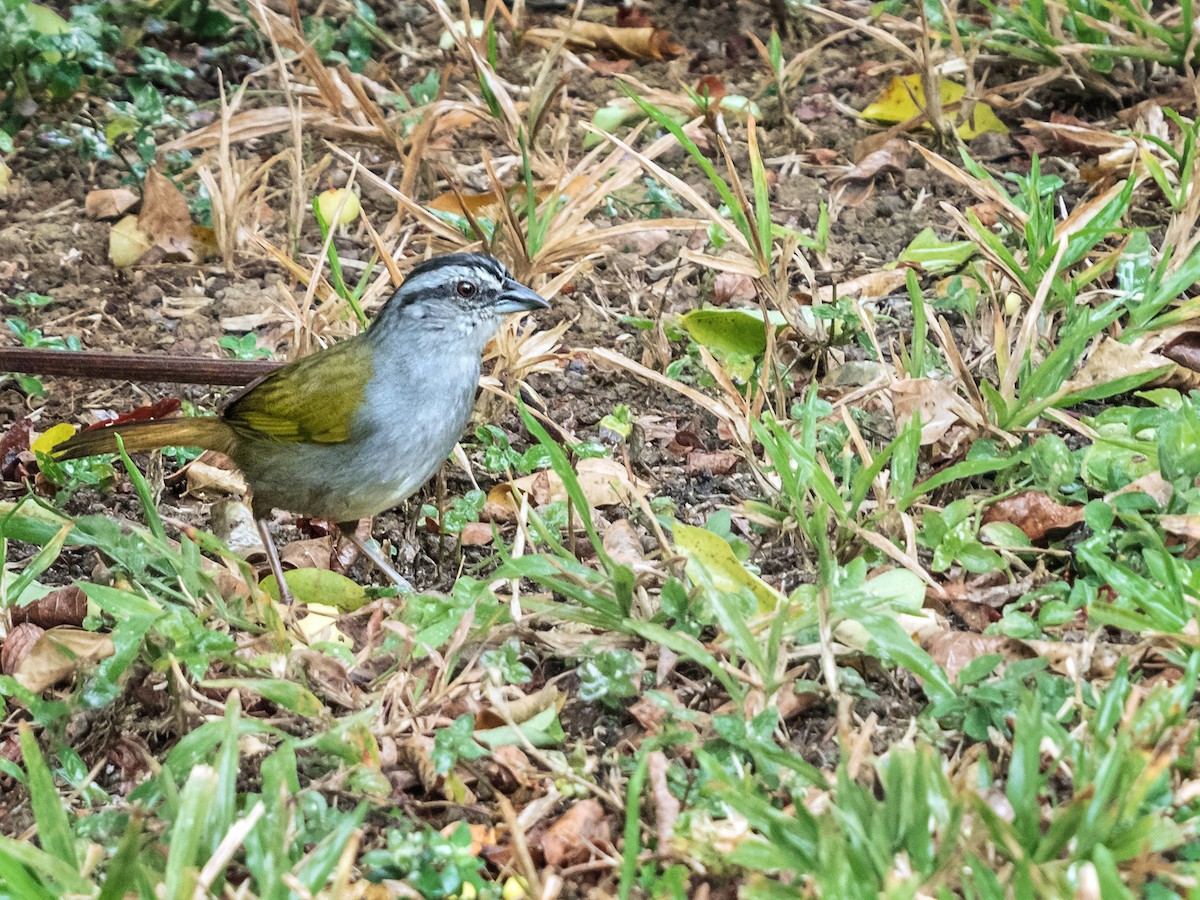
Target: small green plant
<point>504,665</point>
<point>433,865</point>
<point>245,347</point>
<point>454,742</point>
<point>348,41</point>
<point>30,300</point>
<point>610,677</point>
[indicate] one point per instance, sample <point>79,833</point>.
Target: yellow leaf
<point>127,243</point>
<point>52,437</point>
<point>904,98</point>
<point>713,553</point>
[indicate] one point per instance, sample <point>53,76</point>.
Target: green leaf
<point>288,694</point>
<point>54,828</point>
<point>935,255</point>
<point>320,586</point>
<point>731,331</point>
<point>542,730</point>
<point>713,553</point>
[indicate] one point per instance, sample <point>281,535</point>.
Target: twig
<point>127,367</point>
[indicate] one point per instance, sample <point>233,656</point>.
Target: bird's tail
<point>208,432</point>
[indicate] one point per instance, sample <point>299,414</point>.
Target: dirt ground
<point>48,245</point>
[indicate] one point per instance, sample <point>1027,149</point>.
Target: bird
<point>360,426</point>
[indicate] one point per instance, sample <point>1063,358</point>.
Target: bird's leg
<point>372,552</point>
<point>268,542</point>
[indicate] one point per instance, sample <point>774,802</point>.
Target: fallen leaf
<point>646,43</point>
<point>604,482</point>
<point>159,410</point>
<point>712,87</point>
<point>904,99</point>
<point>109,203</point>
<point>58,653</point>
<point>1111,360</point>
<point>954,649</point>
<point>733,286</point>
<point>715,462</point>
<point>165,218</point>
<point>65,606</point>
<point>52,437</point>
<point>212,473</point>
<point>127,243</point>
<point>938,404</point>
<point>622,544</point>
<point>577,834</point>
<point>1183,526</point>
<point>475,534</point>
<point>12,445</point>
<point>713,555</point>
<point>1035,513</point>
<point>666,804</point>
<point>310,553</point>
<point>603,66</point>
<point>233,522</point>
<point>17,644</point>
<point>854,186</point>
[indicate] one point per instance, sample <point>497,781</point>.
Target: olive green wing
<point>311,400</point>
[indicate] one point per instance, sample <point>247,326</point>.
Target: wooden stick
<point>127,367</point>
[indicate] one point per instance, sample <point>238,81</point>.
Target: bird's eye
<point>466,289</point>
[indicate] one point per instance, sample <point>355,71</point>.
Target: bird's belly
<point>359,478</point>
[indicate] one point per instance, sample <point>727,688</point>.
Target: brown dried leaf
<point>1185,350</point>
<point>666,804</point>
<point>571,838</point>
<point>12,445</point>
<point>938,404</point>
<point>58,653</point>
<point>604,482</point>
<point>733,286</point>
<point>66,606</point>
<point>645,43</point>
<point>17,645</point>
<point>109,203</point>
<point>714,462</point>
<point>311,553</point>
<point>854,186</point>
<point>1034,513</point>
<point>609,66</point>
<point>214,473</point>
<point>515,765</point>
<point>1111,360</point>
<point>476,534</point>
<point>1184,526</point>
<point>165,217</point>
<point>954,649</point>
<point>621,542</point>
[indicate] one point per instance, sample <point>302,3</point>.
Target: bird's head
<point>462,296</point>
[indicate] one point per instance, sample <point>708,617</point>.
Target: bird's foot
<point>374,553</point>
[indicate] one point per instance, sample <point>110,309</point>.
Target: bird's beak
<point>517,298</point>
